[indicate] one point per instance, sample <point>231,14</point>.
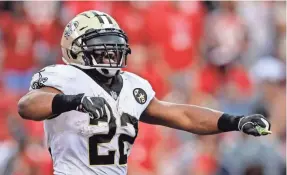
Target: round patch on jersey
<point>140,95</point>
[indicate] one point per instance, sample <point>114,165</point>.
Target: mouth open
<point>109,61</point>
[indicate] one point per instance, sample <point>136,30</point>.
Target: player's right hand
<point>96,107</point>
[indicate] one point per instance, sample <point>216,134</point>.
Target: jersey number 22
<point>94,157</point>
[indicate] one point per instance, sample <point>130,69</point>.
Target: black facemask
<point>106,48</point>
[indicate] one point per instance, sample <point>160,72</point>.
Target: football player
<point>91,108</point>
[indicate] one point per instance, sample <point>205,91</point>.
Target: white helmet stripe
<point>106,21</point>
<point>98,12</point>
<point>109,19</point>
<point>99,16</point>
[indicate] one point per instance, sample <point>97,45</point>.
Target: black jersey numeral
<point>95,158</point>
<point>95,140</point>
<point>126,118</point>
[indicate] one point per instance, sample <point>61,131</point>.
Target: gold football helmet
<point>94,40</point>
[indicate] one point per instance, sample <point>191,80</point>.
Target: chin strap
<point>95,73</point>
<point>97,76</point>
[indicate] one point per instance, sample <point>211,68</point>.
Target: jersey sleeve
<point>149,92</point>
<point>55,76</point>
<point>142,92</point>
<point>144,95</point>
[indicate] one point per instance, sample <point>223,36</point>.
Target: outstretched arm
<point>200,120</point>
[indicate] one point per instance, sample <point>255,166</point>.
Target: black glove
<point>96,107</point>
<point>255,125</point>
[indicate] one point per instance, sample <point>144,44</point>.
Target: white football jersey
<point>81,145</point>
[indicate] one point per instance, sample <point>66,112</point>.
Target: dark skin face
<point>109,57</point>
<point>106,49</point>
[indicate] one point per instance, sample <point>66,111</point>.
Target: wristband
<point>64,103</point>
<point>228,122</point>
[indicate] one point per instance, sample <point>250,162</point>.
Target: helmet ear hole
<point>73,55</point>
<point>105,71</point>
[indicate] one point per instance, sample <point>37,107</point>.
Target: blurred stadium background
<point>229,56</point>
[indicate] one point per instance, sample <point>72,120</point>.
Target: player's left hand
<point>96,107</point>
<point>255,125</point>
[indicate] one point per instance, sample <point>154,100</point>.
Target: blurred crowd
<point>229,56</point>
